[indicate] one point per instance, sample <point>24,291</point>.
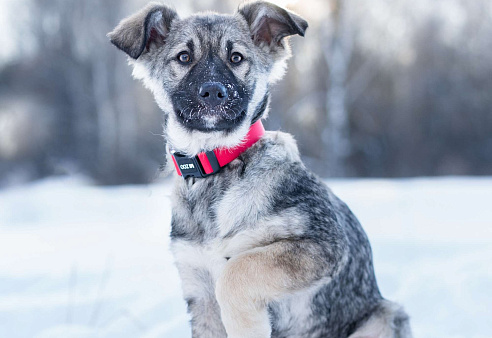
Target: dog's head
<point>210,73</point>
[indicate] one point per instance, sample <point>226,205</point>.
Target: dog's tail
<point>389,320</point>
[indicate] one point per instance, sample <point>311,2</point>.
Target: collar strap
<point>210,162</point>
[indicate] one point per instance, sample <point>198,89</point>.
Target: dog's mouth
<point>210,119</point>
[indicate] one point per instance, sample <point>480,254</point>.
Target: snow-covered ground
<point>83,261</point>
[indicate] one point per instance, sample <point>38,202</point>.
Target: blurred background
<point>378,94</point>
<point>379,88</point>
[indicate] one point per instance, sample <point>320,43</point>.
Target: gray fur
<point>263,248</point>
<point>151,24</point>
<point>269,24</point>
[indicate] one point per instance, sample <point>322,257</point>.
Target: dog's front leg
<point>205,318</point>
<point>253,279</point>
<point>198,289</point>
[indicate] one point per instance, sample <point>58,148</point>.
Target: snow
<point>77,260</point>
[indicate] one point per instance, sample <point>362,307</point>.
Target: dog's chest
<point>218,207</point>
<point>214,220</point>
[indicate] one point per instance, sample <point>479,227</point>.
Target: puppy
<point>263,247</point>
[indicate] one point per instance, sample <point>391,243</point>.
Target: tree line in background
<point>375,89</point>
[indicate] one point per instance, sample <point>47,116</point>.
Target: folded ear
<point>138,32</point>
<point>269,23</point>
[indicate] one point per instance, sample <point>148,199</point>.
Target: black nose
<point>213,93</point>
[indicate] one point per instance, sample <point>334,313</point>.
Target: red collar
<point>210,162</point>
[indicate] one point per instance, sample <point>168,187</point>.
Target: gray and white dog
<point>263,247</point>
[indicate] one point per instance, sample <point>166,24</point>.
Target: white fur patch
<point>193,142</point>
<point>190,257</point>
<point>278,70</point>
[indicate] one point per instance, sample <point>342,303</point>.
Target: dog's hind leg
<point>388,321</point>
<point>253,279</point>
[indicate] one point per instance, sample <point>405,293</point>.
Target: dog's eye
<point>184,57</point>
<point>236,57</point>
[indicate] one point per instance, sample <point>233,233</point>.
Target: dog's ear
<point>269,23</point>
<point>138,32</point>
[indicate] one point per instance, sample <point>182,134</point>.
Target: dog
<point>262,246</point>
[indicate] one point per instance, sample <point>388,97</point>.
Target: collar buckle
<point>193,167</point>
